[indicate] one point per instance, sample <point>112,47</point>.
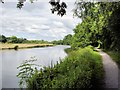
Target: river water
<point>11,59</point>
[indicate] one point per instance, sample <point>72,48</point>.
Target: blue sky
<point>35,21</point>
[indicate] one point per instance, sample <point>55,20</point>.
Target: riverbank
<point>21,46</point>
<point>80,69</point>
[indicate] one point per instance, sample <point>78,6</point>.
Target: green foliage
<point>3,39</point>
<point>66,41</point>
<point>36,41</point>
<point>14,39</point>
<point>58,42</point>
<point>68,50</point>
<point>115,56</point>
<point>100,25</point>
<point>27,69</point>
<point>80,69</point>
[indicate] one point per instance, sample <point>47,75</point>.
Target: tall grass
<point>115,56</point>
<point>80,69</point>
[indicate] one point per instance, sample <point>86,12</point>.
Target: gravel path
<point>111,71</point>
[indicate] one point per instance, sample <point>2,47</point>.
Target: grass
<point>80,69</point>
<point>68,50</point>
<point>20,46</point>
<point>115,56</point>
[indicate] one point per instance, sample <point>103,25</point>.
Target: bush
<point>80,69</point>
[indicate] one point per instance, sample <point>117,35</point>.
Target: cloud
<point>58,23</point>
<point>32,30</point>
<point>36,21</point>
<point>36,29</point>
<point>44,27</point>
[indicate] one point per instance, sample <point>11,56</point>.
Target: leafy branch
<point>27,69</point>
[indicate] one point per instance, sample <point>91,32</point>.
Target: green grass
<point>68,50</point>
<point>80,69</point>
<point>115,56</point>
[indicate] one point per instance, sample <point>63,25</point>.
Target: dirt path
<point>111,70</point>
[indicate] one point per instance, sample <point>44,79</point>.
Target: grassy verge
<point>115,56</point>
<point>21,46</point>
<point>68,50</point>
<point>80,69</point>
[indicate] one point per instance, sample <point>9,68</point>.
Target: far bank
<point>4,46</point>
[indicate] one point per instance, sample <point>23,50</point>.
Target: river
<point>11,59</point>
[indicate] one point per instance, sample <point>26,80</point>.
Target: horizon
<point>30,39</point>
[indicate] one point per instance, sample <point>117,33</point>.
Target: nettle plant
<point>32,75</point>
<point>26,71</point>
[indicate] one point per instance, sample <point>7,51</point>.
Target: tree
<point>67,39</point>
<point>58,42</point>
<point>3,39</point>
<point>12,39</point>
<point>100,24</point>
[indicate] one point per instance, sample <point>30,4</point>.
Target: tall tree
<point>101,20</point>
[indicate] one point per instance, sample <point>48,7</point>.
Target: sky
<point>35,21</point>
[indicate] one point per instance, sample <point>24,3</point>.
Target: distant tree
<point>67,39</point>
<point>13,39</point>
<point>58,42</point>
<point>21,40</point>
<point>3,39</point>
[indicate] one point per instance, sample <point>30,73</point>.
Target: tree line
<point>14,39</point>
<point>66,40</point>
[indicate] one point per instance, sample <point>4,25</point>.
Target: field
<point>20,46</point>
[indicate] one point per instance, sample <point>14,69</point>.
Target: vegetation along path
<point>111,71</point>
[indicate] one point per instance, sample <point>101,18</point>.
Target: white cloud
<point>36,21</point>
<point>58,33</point>
<point>44,27</point>
<point>32,30</point>
<point>34,26</point>
<point>58,30</point>
<point>58,24</point>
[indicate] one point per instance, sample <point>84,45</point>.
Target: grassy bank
<point>68,50</point>
<point>80,69</point>
<point>20,46</point>
<point>115,56</point>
